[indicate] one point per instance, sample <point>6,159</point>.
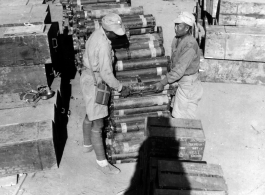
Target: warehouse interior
<point>231,112</point>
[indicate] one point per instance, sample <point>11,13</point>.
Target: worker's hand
<point>159,87</point>
<point>125,91</point>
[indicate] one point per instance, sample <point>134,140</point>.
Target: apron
<point>187,97</point>
<point>93,110</point>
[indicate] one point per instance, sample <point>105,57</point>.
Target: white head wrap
<point>185,17</point>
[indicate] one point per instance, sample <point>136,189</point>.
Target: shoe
<point>109,170</point>
<point>87,148</point>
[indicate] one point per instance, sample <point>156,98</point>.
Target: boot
<point>109,170</point>
<point>87,126</point>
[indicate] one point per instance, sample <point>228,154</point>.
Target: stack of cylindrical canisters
<point>140,62</point>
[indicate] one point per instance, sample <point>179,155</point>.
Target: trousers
<point>187,97</point>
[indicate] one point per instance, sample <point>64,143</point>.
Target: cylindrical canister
<point>131,111</point>
<point>139,102</point>
<point>123,156</point>
<point>126,147</point>
<point>141,53</point>
<point>128,24</point>
<point>123,137</point>
<point>129,126</point>
<point>121,11</point>
<point>147,71</point>
<point>85,2</point>
<point>88,7</point>
<point>139,31</point>
<point>141,45</point>
<point>129,118</point>
<point>140,78</point>
<point>149,37</point>
<point>168,92</point>
<point>142,63</point>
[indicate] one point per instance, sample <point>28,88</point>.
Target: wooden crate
<point>8,3</point>
<point>27,147</point>
<point>176,177</point>
<point>228,71</point>
<point>211,6</point>
<point>235,43</point>
<point>150,172</point>
<point>24,14</point>
<point>25,45</point>
<point>242,13</point>
<point>177,138</point>
<point>12,100</point>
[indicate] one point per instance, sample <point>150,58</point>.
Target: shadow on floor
<point>66,68</point>
<point>148,179</point>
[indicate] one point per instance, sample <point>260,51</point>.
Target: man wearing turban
<point>185,58</point>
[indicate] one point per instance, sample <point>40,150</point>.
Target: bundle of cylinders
<point>140,62</point>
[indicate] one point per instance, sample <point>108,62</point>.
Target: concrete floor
<point>232,117</point>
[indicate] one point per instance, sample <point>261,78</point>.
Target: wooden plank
<point>20,79</point>
<point>174,122</point>
<point>27,114</point>
<point>240,13</point>
<point>9,3</point>
<point>177,138</point>
<point>25,48</point>
<point>178,175</point>
<point>9,180</point>
<point>236,43</point>
<point>179,167</point>
<point>227,71</point>
<point>210,6</point>
<point>19,15</point>
<point>215,42</point>
<point>186,192</point>
<point>175,132</point>
<point>56,12</point>
<point>12,100</point>
<point>193,182</point>
<point>27,147</point>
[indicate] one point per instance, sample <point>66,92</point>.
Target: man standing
<point>98,59</point>
<point>185,58</point>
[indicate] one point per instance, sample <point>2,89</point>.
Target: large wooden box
<point>24,15</point>
<point>176,177</point>
<point>25,45</point>
<point>242,13</point>
<point>230,71</point>
<point>235,43</point>
<point>177,138</point>
<point>27,147</point>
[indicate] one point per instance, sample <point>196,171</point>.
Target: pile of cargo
<point>140,62</point>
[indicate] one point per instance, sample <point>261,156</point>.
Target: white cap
<point>185,17</point>
<point>112,22</point>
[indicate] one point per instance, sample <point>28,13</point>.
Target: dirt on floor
<point>232,116</point>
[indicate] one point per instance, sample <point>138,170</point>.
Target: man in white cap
<point>98,57</point>
<point>185,58</point>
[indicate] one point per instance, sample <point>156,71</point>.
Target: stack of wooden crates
<point>28,42</point>
<point>234,48</point>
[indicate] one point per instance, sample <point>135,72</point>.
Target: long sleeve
<point>180,64</point>
<point>106,70</point>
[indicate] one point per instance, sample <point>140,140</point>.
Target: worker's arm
<point>180,65</point>
<point>106,70</point>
